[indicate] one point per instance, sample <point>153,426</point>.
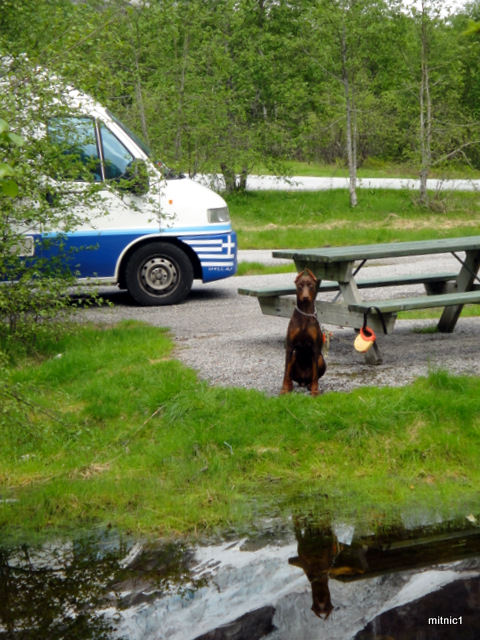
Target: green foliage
<point>8,186</point>
<point>223,85</point>
<point>32,292</point>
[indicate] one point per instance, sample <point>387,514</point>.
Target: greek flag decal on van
<point>216,253</point>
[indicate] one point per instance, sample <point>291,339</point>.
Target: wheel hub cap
<point>159,275</point>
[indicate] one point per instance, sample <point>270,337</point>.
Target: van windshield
<point>132,135</point>
<point>169,174</point>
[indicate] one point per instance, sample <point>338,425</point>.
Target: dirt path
<point>226,338</point>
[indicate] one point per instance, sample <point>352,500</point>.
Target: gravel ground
<point>226,338</point>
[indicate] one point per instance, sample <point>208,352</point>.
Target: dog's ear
<point>308,273</point>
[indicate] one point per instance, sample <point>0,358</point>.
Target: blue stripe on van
<point>95,254</point>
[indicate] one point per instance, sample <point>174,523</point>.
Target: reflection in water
<point>319,555</point>
<point>54,592</point>
<point>66,590</point>
<point>322,556</point>
<point>316,555</point>
<point>103,587</point>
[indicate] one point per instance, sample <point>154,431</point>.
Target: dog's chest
<point>305,335</point>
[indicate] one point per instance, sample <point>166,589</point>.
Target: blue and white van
<point>152,237</point>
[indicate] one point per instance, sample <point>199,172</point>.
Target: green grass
<point>434,313</point>
<point>118,433</point>
<point>258,268</point>
<point>275,220</point>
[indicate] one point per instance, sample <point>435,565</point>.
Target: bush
<point>32,291</point>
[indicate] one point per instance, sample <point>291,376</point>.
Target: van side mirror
<point>135,178</point>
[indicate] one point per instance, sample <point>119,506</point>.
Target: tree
<point>32,291</point>
<point>434,54</point>
<point>425,97</point>
<point>341,32</point>
<point>226,98</point>
<point>231,85</point>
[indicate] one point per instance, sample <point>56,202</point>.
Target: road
<point>302,183</point>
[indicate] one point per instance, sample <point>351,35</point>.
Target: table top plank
<point>382,250</point>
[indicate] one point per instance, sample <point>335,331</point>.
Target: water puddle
<point>294,581</point>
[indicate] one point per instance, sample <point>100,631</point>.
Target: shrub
<point>32,290</point>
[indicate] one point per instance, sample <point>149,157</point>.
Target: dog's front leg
<point>314,385</point>
<point>289,362</point>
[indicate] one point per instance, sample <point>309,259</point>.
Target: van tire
<point>158,273</point>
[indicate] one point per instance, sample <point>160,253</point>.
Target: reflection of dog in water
<point>318,551</point>
<point>316,556</point>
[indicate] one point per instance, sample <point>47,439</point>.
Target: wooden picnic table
<point>337,269</point>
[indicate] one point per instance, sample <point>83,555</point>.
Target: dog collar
<point>309,315</point>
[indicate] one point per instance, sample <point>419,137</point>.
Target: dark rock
<point>251,626</point>
<point>450,613</point>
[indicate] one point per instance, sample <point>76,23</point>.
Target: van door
<point>96,167</point>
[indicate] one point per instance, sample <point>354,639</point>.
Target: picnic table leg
<point>464,282</point>
<point>350,295</point>
<point>374,355</point>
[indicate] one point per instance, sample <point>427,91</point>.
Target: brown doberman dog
<point>304,362</point>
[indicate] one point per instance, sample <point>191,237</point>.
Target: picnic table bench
<point>337,267</point>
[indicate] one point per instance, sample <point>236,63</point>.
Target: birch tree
<point>425,23</point>
<point>434,54</point>
<point>340,38</point>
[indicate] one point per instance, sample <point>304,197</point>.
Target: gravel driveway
<point>226,338</point>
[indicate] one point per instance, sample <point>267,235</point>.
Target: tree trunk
<point>181,99</point>
<point>351,122</point>
<point>136,44</point>
<point>242,185</point>
<point>229,177</point>
<point>425,112</point>
<point>140,103</point>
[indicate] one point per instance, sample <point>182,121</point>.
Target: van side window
<point>74,137</point>
<point>116,157</point>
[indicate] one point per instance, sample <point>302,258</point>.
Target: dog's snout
<point>305,293</point>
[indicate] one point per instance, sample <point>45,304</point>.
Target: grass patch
<point>275,220</point>
<point>257,268</point>
<point>434,313</point>
<point>118,433</point>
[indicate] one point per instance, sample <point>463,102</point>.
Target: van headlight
<point>220,214</point>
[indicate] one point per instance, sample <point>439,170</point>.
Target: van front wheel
<point>158,274</point>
